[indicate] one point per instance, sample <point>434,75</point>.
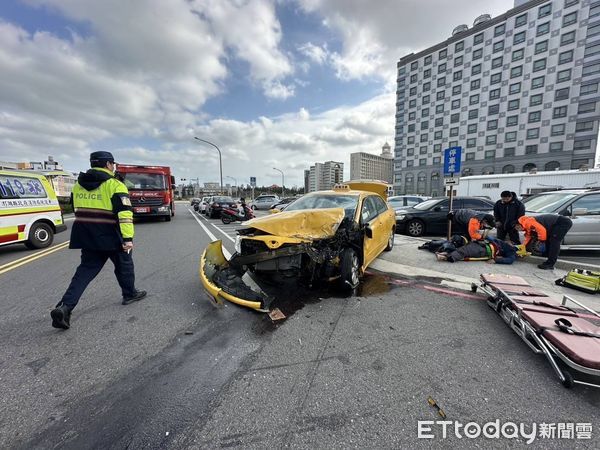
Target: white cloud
<point>314,52</point>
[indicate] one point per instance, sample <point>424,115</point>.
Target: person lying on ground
<point>491,249</point>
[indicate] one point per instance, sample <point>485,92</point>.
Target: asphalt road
<point>173,371</point>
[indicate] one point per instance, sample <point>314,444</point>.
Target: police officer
<point>103,229</point>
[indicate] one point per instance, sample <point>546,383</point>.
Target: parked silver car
<point>582,206</point>
<point>264,202</point>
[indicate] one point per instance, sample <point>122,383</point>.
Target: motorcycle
<point>229,215</point>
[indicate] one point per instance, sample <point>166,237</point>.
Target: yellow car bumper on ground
<point>215,271</point>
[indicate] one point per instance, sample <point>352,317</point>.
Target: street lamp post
<point>220,162</point>
<point>282,181</point>
<point>236,185</point>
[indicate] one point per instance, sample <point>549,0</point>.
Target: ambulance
<point>29,209</point>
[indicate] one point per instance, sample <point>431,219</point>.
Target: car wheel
<point>415,228</point>
<point>40,236</point>
<point>254,207</point>
<point>390,244</point>
<point>349,269</point>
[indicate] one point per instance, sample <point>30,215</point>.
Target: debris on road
<point>439,410</point>
<point>276,314</point>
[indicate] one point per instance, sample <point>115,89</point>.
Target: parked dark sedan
<point>430,215</point>
<point>217,202</point>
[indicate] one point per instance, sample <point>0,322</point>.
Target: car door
<point>385,224</point>
<point>437,221</point>
<point>369,218</point>
<point>586,225</point>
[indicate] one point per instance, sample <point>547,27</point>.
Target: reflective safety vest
<point>103,213</point>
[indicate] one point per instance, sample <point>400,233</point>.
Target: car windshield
<point>323,201</point>
<point>223,200</point>
<point>396,201</point>
<point>547,203</point>
<point>427,204</point>
<point>145,181</point>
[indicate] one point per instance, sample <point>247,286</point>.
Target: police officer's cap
<point>101,156</point>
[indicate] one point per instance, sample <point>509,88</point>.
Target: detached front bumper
<point>221,281</point>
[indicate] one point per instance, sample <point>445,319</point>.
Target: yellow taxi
<point>331,235</point>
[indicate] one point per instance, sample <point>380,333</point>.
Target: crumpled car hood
<point>306,224</point>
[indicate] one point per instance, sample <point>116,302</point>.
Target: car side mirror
<point>369,232</point>
<point>274,211</point>
<point>437,208</point>
<point>579,212</point>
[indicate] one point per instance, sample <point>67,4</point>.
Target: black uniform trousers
<point>555,236</point>
<point>513,234</point>
<point>92,262</point>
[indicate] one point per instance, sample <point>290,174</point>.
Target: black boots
<point>61,317</point>
<point>137,296</point>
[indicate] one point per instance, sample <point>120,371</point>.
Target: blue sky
<point>279,83</point>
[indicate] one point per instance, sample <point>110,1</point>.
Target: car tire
<point>390,243</point>
<point>40,236</point>
<point>225,219</point>
<point>415,228</point>
<point>253,207</point>
<point>349,269</point>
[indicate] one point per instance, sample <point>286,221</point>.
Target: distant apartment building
<point>372,167</point>
<point>323,176</point>
<point>517,92</point>
<point>306,180</point>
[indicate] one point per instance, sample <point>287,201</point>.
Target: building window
<point>424,137</point>
<point>582,145</point>
<point>471,142</point>
<point>587,107</point>
<point>569,19</point>
<point>538,82</point>
<point>426,73</point>
<point>543,28</point>
<point>533,133</point>
<point>497,62</point>
<point>510,136</point>
<point>528,167</point>
<point>411,129</point>
<point>474,99</point>
<point>478,39</point>
<point>563,75</point>
<point>493,109</point>
<point>494,94</point>
<point>423,162</point>
<point>439,121</point>
<point>426,86</point>
<point>498,46</point>
<point>519,37</point>
<point>559,111</point>
<point>439,109</point>
<point>531,149</point>
<point>536,99</point>
<point>410,152</point>
<point>411,139</point>
<point>558,129</point>
<point>472,128</point>
<point>594,10</point>
<point>511,121</point>
<point>591,69</point>
<point>425,112</point>
<point>475,84</point>
<point>441,68</point>
<point>425,100</point>
<point>473,114</point>
<point>476,69</point>
<point>423,150</point>
<point>510,151</point>
<point>428,60</point>
<point>492,124</point>
<point>477,54</point>
<point>593,30</point>
<point>457,76</point>
<point>455,118</point>
<point>424,125</point>
<point>569,38</point>
<point>459,46</point>
<point>413,91</point>
<point>570,3</point>
<point>455,104</point>
<point>437,134</point>
<point>545,10</point>
<point>541,47</point>
<point>534,116</point>
<point>513,104</point>
<point>456,89</point>
<point>516,71</point>
<point>584,126</point>
<point>566,57</point>
<point>409,163</point>
<point>514,88</point>
<point>489,154</point>
<point>413,78</point>
<point>412,103</point>
<point>540,64</point>
<point>470,156</point>
<point>458,61</point>
<point>556,147</point>
<point>440,95</point>
<point>517,55</point>
<point>520,20</point>
<point>454,131</point>
<point>412,115</point>
<point>442,54</point>
<point>499,30</point>
<point>561,94</point>
<point>437,147</point>
<point>496,78</point>
<point>414,66</point>
<point>436,160</point>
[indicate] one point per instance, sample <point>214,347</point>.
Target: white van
<point>29,209</point>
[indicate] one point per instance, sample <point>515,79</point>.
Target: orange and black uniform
<point>469,222</point>
<point>548,228</point>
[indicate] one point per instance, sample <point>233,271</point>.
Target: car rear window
<point>428,204</point>
<point>224,200</point>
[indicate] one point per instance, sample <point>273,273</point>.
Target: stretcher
<point>569,337</point>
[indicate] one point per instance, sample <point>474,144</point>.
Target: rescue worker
<point>103,229</point>
<point>495,250</point>
<point>549,229</point>
<point>469,222</point>
<point>507,211</point>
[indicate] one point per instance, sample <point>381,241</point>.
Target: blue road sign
<point>253,181</point>
<point>452,160</point>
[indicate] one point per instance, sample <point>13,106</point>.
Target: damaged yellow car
<point>326,235</point>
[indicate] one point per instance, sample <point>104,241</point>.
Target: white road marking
<point>208,232</point>
<point>226,235</point>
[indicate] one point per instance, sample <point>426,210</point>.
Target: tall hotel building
<point>517,92</point>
